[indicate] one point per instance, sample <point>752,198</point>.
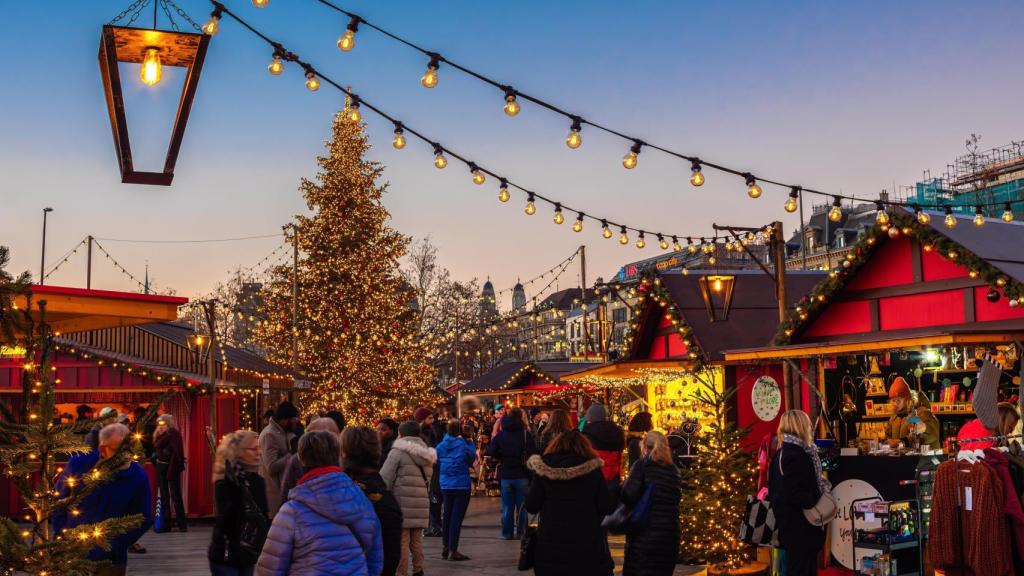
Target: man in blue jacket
<point>126,494</point>
<point>511,447</point>
<point>455,456</point>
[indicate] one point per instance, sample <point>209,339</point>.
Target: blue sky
<point>850,97</point>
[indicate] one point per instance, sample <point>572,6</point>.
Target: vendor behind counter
<point>912,416</point>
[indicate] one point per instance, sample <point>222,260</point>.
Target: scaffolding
<point>993,177</point>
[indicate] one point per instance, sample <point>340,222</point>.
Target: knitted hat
<point>286,410</point>
<point>409,428</point>
<point>420,414</point>
<point>986,394</point>
<point>899,388</point>
<point>107,412</point>
<point>596,413</point>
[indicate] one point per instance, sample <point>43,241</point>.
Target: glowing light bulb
<point>979,217</point>
<point>623,237</point>
<point>354,115</point>
<point>753,190</point>
<point>312,82</point>
<point>577,226</point>
<point>511,106</point>
<point>260,3</point>
<point>429,79</point>
<point>696,177</point>
<point>882,218</point>
<point>276,65</point>
<point>662,243</point>
<point>478,177</point>
<point>629,160</point>
<point>531,208</point>
<point>606,231</point>
<point>152,69</point>
<point>347,41</point>
<point>836,213</point>
<point>440,161</point>
<point>923,217</point>
<point>558,219</point>
<point>212,25</point>
<point>503,194</point>
<point>640,243</point>
<point>676,247</point>
<point>717,285</point>
<point>1007,213</point>
<point>399,140</point>
<point>791,204</point>
<point>950,219</point>
<point>574,139</point>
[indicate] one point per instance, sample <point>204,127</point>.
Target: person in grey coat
<point>275,442</point>
<point>294,469</point>
<point>407,473</point>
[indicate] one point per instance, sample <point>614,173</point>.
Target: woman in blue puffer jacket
<point>456,455</point>
<point>328,527</point>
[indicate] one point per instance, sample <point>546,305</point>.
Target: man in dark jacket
<point>512,446</point>
<point>387,429</point>
<point>609,441</point>
<point>425,418</point>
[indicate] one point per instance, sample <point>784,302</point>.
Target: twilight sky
<point>850,97</point>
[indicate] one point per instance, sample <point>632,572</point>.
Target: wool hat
<point>421,414</point>
<point>409,428</point>
<point>899,388</point>
<point>986,395</point>
<point>107,411</point>
<point>596,413</point>
<point>286,410</point>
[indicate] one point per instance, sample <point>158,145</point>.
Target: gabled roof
<point>997,242</point>
<point>753,317</point>
<point>561,300</point>
<point>178,333</point>
<point>511,375</point>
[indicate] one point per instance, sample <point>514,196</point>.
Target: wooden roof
<point>77,309</point>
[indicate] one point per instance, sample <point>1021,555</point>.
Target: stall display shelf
<point>905,553</point>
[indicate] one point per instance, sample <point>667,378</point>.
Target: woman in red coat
<point>169,454</point>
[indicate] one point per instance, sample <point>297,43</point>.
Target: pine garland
<point>810,307</point>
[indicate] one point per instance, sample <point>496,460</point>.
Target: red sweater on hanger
<point>1011,502</point>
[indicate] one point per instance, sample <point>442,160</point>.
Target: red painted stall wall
<point>745,416</point>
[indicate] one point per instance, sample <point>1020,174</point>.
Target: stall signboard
<point>766,398</point>
<point>841,528</point>
<point>12,352</point>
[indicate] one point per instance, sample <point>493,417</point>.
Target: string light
<point>439,160</point>
<point>690,247</point>
<point>399,140</point>
<point>531,208</point>
<point>574,139</point>
<point>675,245</point>
<point>696,176</point>
<point>923,217</point>
<point>950,220</point>
<point>511,106</point>
<point>640,243</point>
<point>577,226</point>
<point>260,3</point>
<point>979,217</point>
<point>478,176</point>
<point>429,79</point>
<point>630,159</point>
<point>882,217</point>
<point>276,66</point>
<point>662,243</point>
<point>347,41</point>
<point>1007,213</point>
<point>212,25</point>
<point>605,230</point>
<point>503,194</point>
<point>623,236</point>
<point>558,219</point>
<point>311,81</point>
<point>354,115</point>
<point>753,190</point>
<point>836,213</point>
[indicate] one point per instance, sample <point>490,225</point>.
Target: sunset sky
<point>852,97</point>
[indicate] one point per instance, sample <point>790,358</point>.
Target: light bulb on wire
<point>531,208</point>
<point>630,159</point>
<point>511,106</point>
<point>696,176</point>
<point>793,201</point>
<point>276,66</point>
<point>503,194</point>
<point>950,219</point>
<point>577,226</point>
<point>623,236</point>
<point>478,175</point>
<point>260,3</point>
<point>439,160</point>
<point>429,79</point>
<point>662,243</point>
<point>399,140</point>
<point>559,218</point>
<point>353,115</point>
<point>640,243</point>
<point>675,245</point>
<point>605,230</point>
<point>882,217</point>
<point>923,217</point>
<point>347,41</point>
<point>753,190</point>
<point>690,246</point>
<point>212,25</point>
<point>979,216</point>
<point>1007,213</point>
<point>151,70</point>
<point>574,140</point>
<point>312,82</point>
<point>836,213</point>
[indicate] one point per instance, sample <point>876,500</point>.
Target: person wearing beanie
<point>407,473</point>
<point>904,404</point>
<point>609,441</point>
<point>275,452</point>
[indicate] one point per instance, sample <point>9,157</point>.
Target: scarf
<point>812,451</point>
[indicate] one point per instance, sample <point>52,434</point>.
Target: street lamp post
<point>42,257</point>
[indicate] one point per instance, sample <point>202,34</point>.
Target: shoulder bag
<point>528,544</point>
<point>252,527</point>
<point>824,510</point>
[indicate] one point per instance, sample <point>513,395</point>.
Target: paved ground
<point>185,554</point>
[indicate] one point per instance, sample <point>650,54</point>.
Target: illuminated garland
<point>810,307</point>
<point>652,292</point>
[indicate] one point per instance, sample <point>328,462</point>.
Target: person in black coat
<point>793,486</point>
<point>570,495</point>
<point>608,441</point>
<point>512,446</point>
<point>236,483</point>
<point>360,454</point>
<point>653,550</point>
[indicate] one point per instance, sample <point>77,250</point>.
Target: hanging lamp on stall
<point>153,49</point>
<point>716,290</point>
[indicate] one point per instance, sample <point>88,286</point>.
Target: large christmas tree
<point>715,488</point>
<point>357,318</point>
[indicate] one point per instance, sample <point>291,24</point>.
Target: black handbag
<point>528,545</point>
<point>252,527</point>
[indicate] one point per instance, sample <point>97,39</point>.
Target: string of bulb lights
<point>479,174</point>
<point>511,96</point>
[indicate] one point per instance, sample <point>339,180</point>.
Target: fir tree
<point>31,445</point>
<point>357,320</point>
<point>715,488</point>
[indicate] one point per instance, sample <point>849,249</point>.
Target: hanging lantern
<point>717,292</point>
<point>153,49</point>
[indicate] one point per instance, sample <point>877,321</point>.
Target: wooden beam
<point>837,349</point>
<point>910,289</point>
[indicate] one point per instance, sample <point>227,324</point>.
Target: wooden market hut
<point>686,321</point>
<point>520,383</point>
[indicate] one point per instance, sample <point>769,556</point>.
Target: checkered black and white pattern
<point>758,525</point>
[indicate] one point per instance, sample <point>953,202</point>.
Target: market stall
<point>523,384</point>
<point>910,312</point>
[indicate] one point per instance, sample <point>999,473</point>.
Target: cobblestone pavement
<point>185,554</point>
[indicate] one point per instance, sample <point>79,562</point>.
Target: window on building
<point>619,315</point>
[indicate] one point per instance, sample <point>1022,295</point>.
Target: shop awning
<point>78,309</point>
<point>626,369</point>
<point>965,335</point>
